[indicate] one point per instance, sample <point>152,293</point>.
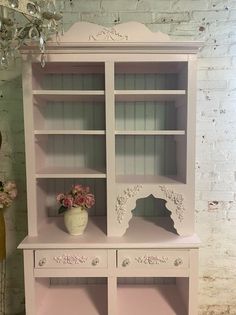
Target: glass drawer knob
<point>178,262</point>
<point>126,262</point>
<point>42,262</point>
<point>95,261</point>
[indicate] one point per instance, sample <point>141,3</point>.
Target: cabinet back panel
<point>146,116</point>
<point>146,81</point>
<point>73,82</point>
<point>151,207</point>
<point>51,187</point>
<point>145,155</point>
<point>71,115</point>
<point>73,151</point>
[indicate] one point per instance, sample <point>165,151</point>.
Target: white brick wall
<point>215,22</point>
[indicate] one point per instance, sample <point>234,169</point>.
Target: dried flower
<point>8,193</point>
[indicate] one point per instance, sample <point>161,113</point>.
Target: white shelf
<point>151,299</point>
<point>77,299</point>
<point>156,233</point>
<point>69,132</point>
<point>69,95</point>
<point>150,132</point>
<point>148,179</point>
<point>62,172</point>
<point>148,95</point>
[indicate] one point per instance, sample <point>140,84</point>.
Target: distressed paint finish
<point>216,121</point>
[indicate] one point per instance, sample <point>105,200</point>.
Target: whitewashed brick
<point>218,195</point>
<point>152,5</point>
<point>115,6</point>
<point>100,18</point>
<point>214,63</point>
<point>143,17</point>
<point>174,17</point>
<point>212,85</point>
<point>189,5</point>
<point>210,15</point>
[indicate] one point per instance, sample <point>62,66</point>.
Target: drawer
<point>84,258</point>
<point>152,258</point>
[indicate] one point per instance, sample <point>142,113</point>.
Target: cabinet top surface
<point>143,233</point>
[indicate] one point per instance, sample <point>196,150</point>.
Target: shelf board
<point>69,132</point>
<point>69,95</point>
<point>61,299</point>
<point>152,299</point>
<point>148,179</point>
<point>156,233</point>
<point>150,132</point>
<point>66,172</point>
<point>148,95</point>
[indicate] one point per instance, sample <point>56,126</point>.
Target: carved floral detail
<point>151,260</point>
<point>177,199</point>
<point>122,200</point>
<point>108,34</point>
<point>70,259</point>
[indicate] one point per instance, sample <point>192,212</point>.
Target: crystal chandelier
<point>22,21</point>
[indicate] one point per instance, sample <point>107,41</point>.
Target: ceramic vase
<point>76,219</point>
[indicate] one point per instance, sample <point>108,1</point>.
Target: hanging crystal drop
<point>31,8</point>
<point>14,3</point>
<point>4,61</point>
<point>43,61</point>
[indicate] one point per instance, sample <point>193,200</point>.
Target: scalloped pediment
<point>130,32</point>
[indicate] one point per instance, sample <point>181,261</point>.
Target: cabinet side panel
<point>29,148</point>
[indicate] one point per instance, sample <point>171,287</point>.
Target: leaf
<point>62,209</point>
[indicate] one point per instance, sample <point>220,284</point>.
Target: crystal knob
<point>95,261</point>
<point>126,262</point>
<point>178,262</point>
<point>42,262</point>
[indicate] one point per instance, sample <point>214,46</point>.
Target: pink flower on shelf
<point>67,202</point>
<point>80,200</point>
<point>78,196</point>
<point>8,193</point>
<point>60,197</point>
<point>89,200</point>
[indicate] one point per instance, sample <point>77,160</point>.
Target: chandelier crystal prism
<point>42,19</point>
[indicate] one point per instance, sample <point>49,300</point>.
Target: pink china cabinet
<point>114,109</point>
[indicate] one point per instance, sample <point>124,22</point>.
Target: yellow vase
<point>2,237</point>
<point>76,219</point>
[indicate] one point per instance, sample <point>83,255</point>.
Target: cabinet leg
<point>112,296</point>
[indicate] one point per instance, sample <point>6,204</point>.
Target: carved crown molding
<point>108,34</point>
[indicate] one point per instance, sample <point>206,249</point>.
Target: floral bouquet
<point>78,196</point>
<point>8,193</point>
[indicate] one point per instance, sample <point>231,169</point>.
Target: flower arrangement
<point>8,193</point>
<point>78,196</point>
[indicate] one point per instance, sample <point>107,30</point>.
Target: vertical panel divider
<point>30,293</point>
<point>112,283</point>
<point>110,140</point>
<point>30,148</point>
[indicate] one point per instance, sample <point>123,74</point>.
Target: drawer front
<point>153,258</point>
<point>77,258</point>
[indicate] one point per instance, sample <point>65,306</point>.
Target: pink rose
<point>78,189</point>
<point>12,194</point>
<point>79,201</point>
<point>89,200</point>
<point>9,186</point>
<point>60,197</point>
<point>5,201</point>
<point>67,202</point>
